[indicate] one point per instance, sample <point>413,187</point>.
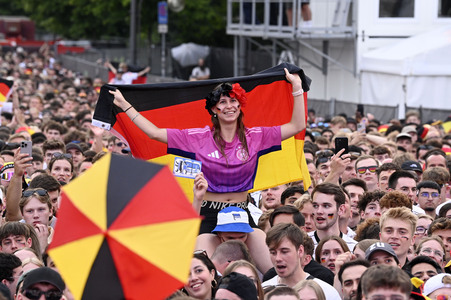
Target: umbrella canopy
<point>188,54</point>
<point>125,230</point>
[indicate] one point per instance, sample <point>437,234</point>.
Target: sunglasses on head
<point>35,294</point>
<point>7,176</point>
<point>322,160</point>
<point>65,155</point>
<point>201,252</point>
<point>40,192</point>
<point>324,153</point>
<point>362,170</point>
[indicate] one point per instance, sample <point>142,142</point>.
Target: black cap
<point>412,165</point>
<point>380,246</point>
<point>46,275</point>
<point>239,284</point>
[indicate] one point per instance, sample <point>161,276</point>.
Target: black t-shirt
<point>313,268</point>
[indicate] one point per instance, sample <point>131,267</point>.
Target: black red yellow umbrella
<point>125,230</point>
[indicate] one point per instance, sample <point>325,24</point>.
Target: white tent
<point>414,72</point>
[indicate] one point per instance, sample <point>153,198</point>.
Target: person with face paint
<point>328,205</point>
<point>229,153</point>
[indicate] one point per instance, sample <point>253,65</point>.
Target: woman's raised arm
<point>297,122</point>
<point>152,131</point>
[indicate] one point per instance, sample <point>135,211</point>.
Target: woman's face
<point>331,249</point>
<point>248,272</point>
<point>61,170</point>
<point>199,280</point>
<point>307,293</point>
<point>434,250</point>
<point>227,109</point>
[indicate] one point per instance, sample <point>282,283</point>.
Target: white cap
<point>436,282</point>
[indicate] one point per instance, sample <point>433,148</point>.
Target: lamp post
<point>133,32</point>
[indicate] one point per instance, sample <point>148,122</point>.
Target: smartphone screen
<point>341,143</point>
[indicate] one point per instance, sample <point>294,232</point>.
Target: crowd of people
<point>375,223</point>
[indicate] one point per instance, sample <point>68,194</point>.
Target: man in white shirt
<point>328,205</point>
<point>285,242</point>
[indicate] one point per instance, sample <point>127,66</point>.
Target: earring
<point>214,283</point>
<point>215,116</point>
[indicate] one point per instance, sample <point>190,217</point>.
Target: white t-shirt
<point>329,291</point>
<point>128,77</point>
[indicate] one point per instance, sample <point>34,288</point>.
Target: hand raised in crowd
<point>21,162</point>
<point>342,258</point>
<point>294,79</point>
<point>357,137</point>
<point>199,190</point>
<point>338,164</point>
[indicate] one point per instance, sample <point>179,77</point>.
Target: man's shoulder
<point>272,281</point>
<point>330,292</point>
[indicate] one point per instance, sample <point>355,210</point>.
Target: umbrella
<point>125,230</point>
<point>188,54</point>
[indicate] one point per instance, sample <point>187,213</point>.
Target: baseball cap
<point>73,146</point>
<point>403,135</point>
<point>233,219</point>
<point>408,128</point>
<point>380,246</point>
<point>412,165</point>
<point>239,284</point>
<point>437,282</point>
<point>46,275</point>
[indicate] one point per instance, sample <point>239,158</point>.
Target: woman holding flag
<point>229,154</point>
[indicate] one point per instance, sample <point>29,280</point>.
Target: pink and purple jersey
<point>237,172</point>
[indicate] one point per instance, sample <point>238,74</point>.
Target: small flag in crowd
<point>5,89</point>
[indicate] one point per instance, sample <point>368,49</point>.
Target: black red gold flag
<point>182,105</point>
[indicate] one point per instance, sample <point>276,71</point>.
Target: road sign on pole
<point>163,29</point>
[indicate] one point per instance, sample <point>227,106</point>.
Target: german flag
<point>182,105</point>
<point>5,89</point>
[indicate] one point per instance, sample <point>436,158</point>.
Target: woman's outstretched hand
<point>294,79</point>
<point>119,99</point>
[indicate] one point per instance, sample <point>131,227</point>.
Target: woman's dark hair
<point>224,89</point>
<point>62,157</point>
<point>443,210</point>
<point>210,266</point>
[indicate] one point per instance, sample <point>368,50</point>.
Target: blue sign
<point>162,12</point>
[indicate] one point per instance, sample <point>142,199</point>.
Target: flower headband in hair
<point>226,89</point>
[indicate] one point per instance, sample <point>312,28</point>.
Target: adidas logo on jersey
<point>214,154</point>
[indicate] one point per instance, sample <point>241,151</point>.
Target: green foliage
<point>80,19</point>
<point>202,21</point>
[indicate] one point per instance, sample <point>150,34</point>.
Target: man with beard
<point>349,277</point>
<point>428,193</point>
<point>355,188</point>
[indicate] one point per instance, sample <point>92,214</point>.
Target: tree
<point>80,19</point>
<point>202,21</point>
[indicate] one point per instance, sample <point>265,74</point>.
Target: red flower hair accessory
<point>238,93</point>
